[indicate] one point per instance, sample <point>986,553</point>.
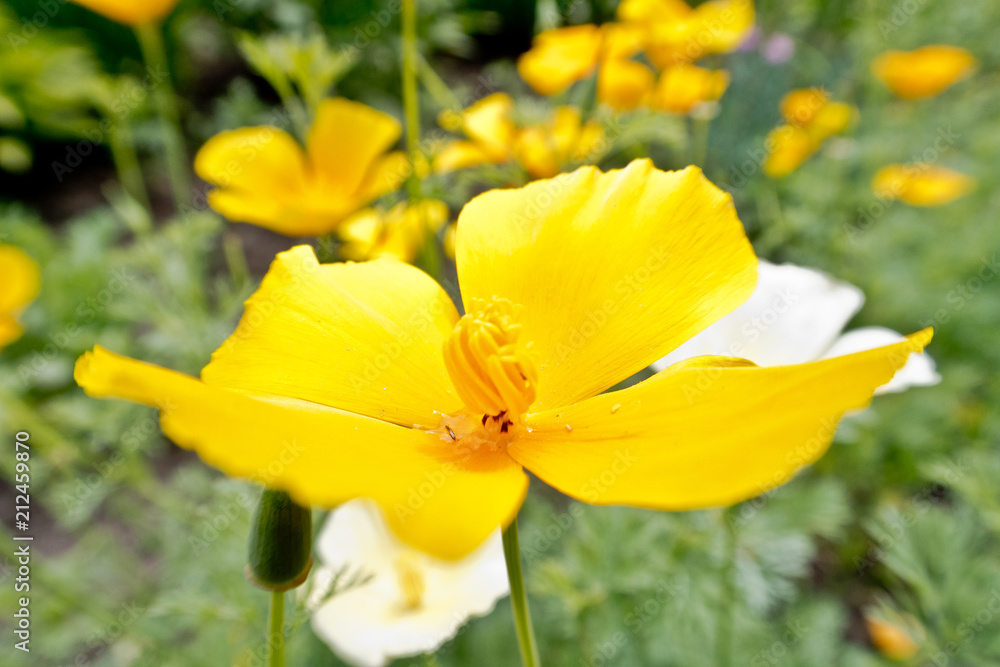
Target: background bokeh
<point>140,548</point>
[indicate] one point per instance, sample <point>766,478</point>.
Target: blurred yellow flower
<point>21,280</point>
<point>921,184</point>
<point>811,119</point>
<point>561,57</point>
<point>130,12</point>
<point>676,33</point>
<point>399,233</point>
<point>924,72</point>
<point>893,639</point>
<point>265,178</point>
<point>362,379</point>
<point>683,87</point>
<point>624,84</point>
<point>490,133</point>
<point>544,150</point>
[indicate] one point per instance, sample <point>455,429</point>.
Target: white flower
<point>796,315</point>
<point>412,602</point>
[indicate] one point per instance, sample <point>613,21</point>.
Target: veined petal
<point>346,140</point>
<point>559,58</point>
<point>130,12</point>
<point>706,432</point>
<point>440,500</point>
<point>366,338</point>
<point>612,270</point>
<point>793,316</point>
<point>919,370</point>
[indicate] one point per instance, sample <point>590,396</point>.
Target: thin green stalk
<point>699,142</point>
<point>518,598</point>
<point>439,90</point>
<point>127,163</point>
<point>155,54</point>
<point>276,631</point>
<point>411,100</point>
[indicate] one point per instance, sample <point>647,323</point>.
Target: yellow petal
<point>799,107</point>
<point>709,431</point>
<point>346,140</point>
<point>21,279</point>
<point>612,270</point>
<point>624,84</point>
<point>924,72</point>
<point>788,147</point>
<point>536,152</point>
<point>894,640</point>
<point>622,41</point>
<point>558,58</point>
<point>921,184</point>
<point>832,119</point>
<point>653,11</point>
<point>130,12</point>
<point>714,27</point>
<point>441,500</point>
<point>366,338</point>
<point>488,124</point>
<point>397,234</point>
<point>544,150</point>
<point>461,155</point>
<point>683,87</point>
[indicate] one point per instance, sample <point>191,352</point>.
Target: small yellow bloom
<point>130,12</point>
<point>924,72</point>
<point>624,84</point>
<point>896,640</point>
<point>921,184</point>
<point>399,233</point>
<point>811,119</point>
<point>561,57</point>
<point>679,34</point>
<point>489,129</point>
<point>544,150</point>
<point>21,280</point>
<point>265,178</point>
<point>362,380</point>
<point>683,87</point>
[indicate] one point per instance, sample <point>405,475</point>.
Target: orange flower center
<point>489,365</point>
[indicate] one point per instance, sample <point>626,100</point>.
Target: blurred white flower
<point>796,315</point>
<point>410,604</point>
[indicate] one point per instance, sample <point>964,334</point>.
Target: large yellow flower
<point>683,87</point>
<point>264,177</point>
<point>921,184</point>
<point>924,72</point>
<point>490,133</point>
<point>20,280</point>
<point>399,233</point>
<point>543,150</point>
<point>347,380</point>
<point>130,12</point>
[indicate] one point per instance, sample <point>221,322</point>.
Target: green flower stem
<point>411,101</point>
<point>699,141</point>
<point>518,598</point>
<point>276,631</point>
<point>439,90</point>
<point>127,165</point>
<point>155,55</point>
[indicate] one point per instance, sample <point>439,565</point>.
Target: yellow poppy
<point>788,146</point>
<point>399,233</point>
<point>265,178</point>
<point>624,84</point>
<point>544,150</point>
<point>348,380</point>
<point>676,33</point>
<point>921,184</point>
<point>924,72</point>
<point>19,287</point>
<point>892,639</point>
<point>489,129</point>
<point>683,87</point>
<point>130,12</point>
<point>561,57</point>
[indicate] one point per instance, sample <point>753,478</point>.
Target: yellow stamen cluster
<point>489,366</point>
<point>411,579</point>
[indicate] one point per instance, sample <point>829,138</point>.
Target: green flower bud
<point>280,544</point>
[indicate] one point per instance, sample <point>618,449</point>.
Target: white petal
<point>369,625</point>
<point>919,370</point>
<point>792,317</point>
